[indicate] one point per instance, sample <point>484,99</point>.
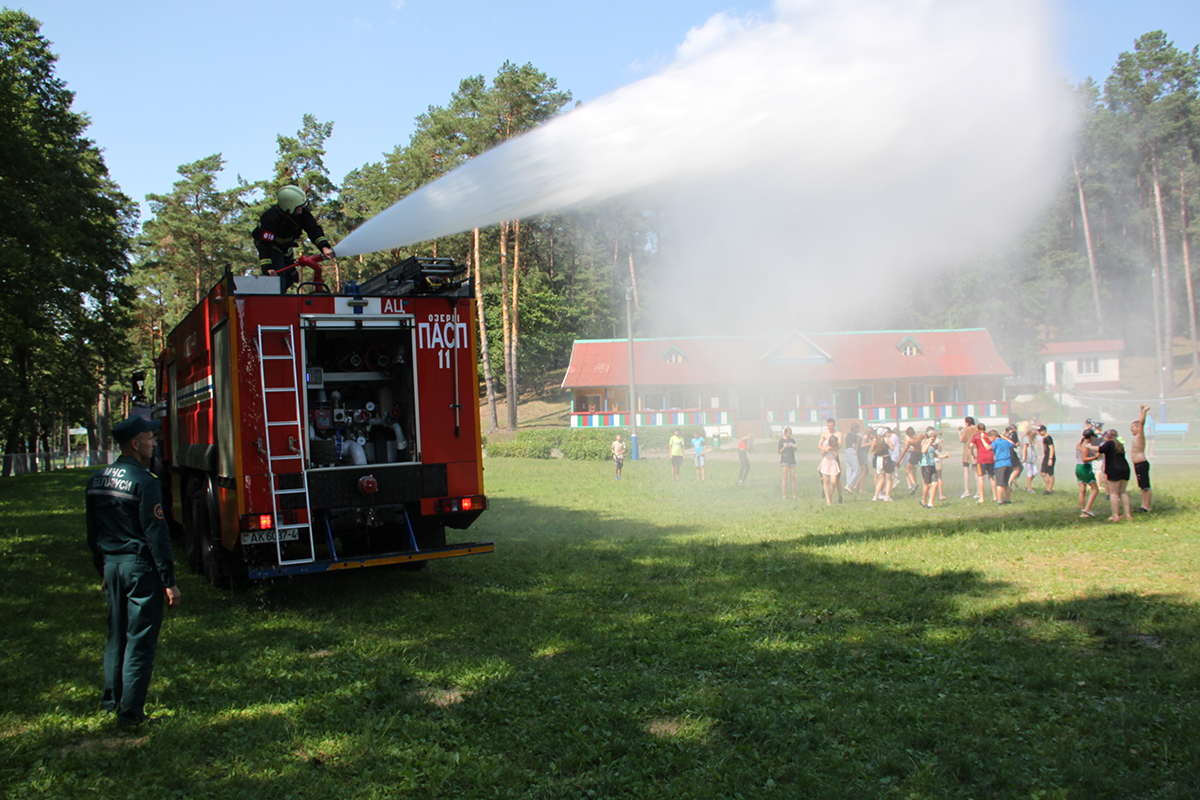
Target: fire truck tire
<point>157,467</point>
<point>191,535</point>
<point>202,532</point>
<point>219,567</point>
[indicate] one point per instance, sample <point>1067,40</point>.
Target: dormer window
<point>674,356</point>
<point>908,347</point>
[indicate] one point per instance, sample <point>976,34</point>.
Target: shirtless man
<point>965,435</point>
<point>1137,454</point>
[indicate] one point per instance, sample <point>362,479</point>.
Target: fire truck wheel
<point>191,534</point>
<point>210,558</point>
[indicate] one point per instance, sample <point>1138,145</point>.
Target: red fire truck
<point>310,431</point>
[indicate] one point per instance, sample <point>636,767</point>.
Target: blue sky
<point>168,83</point>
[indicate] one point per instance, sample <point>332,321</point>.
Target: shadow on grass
<point>615,658</point>
<point>936,522</point>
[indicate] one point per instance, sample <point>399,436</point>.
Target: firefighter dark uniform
<point>131,548</point>
<point>276,236</point>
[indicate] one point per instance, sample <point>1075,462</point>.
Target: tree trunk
<point>93,426</point>
<point>1158,344</point>
<point>21,422</point>
<point>1087,235</point>
<point>509,400</point>
<point>1187,272</point>
<point>34,467</point>
<point>1168,328</point>
<point>103,426</point>
<point>514,390</point>
<point>12,446</point>
<point>488,382</point>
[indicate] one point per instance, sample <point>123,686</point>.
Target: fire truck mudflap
<point>316,432</point>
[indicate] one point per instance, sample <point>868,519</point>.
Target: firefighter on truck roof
<point>280,229</point>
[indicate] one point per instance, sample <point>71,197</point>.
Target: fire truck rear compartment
<point>360,395</point>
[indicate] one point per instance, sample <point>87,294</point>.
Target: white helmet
<point>290,198</point>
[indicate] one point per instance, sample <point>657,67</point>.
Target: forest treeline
<point>1109,258</point>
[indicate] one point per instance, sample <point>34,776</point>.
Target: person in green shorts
<point>1084,456</point>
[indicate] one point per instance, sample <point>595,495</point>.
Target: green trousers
<point>135,613</point>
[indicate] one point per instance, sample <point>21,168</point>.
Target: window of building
<point>866,394</point>
<point>674,356</point>
<point>908,347</point>
<point>1088,366</point>
<point>675,399</point>
<point>941,394</point>
<point>918,393</point>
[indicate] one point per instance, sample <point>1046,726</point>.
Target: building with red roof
<point>1089,366</point>
<point>889,377</point>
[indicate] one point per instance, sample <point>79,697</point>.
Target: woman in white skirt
<point>830,469</point>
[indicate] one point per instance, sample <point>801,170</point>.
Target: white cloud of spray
<point>858,139</point>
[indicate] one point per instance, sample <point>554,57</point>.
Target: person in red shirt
<point>985,462</point>
<point>744,457</point>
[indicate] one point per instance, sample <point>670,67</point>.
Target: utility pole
<point>633,445</point>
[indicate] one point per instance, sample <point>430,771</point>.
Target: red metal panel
<point>252,312</point>
<point>462,478</point>
<point>193,374</point>
<point>443,347</point>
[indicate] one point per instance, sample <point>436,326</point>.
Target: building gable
<point>795,348</point>
<point>673,355</point>
<point>908,346</point>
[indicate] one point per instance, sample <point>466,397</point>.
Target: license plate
<point>264,537</point>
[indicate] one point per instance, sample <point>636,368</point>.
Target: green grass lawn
<point>641,638</point>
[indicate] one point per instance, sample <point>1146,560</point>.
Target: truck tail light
<point>450,505</point>
<point>256,522</point>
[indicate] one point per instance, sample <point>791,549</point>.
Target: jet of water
<point>849,134</point>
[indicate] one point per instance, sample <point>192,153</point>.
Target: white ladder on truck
<point>285,437</point>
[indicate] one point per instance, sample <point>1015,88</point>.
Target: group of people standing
<point>997,460</point>
<point>879,449</point>
<point>1106,447</point>
<point>676,445</point>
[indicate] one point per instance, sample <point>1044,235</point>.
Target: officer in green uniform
<point>131,547</point>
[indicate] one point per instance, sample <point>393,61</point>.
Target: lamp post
<point>633,445</point>
<point>1060,371</point>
